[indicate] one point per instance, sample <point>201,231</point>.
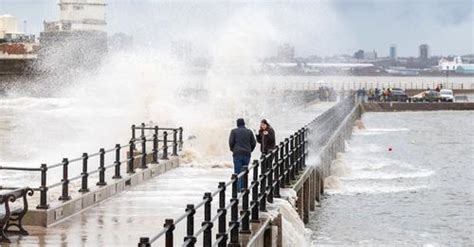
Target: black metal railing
<point>137,149</point>
<point>261,183</point>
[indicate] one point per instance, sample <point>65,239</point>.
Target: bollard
<point>169,223</point>
<point>65,187</point>
<point>117,162</point>
<point>234,213</point>
<point>155,149</point>
<point>245,229</point>
<point>165,146</point>
<point>144,242</point>
<point>207,234</point>
<point>131,158</point>
<point>43,188</point>
<point>255,203</point>
<point>143,160</point>
<point>175,143</point>
<point>190,225</point>
<point>180,138</point>
<point>84,174</point>
<point>101,168</point>
<point>222,211</point>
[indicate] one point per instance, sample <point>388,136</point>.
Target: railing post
<point>155,149</point>
<point>131,158</point>
<point>43,188</point>
<point>175,143</point>
<point>263,185</point>
<point>180,138</point>
<point>276,188</point>
<point>144,242</point>
<point>207,234</point>
<point>101,168</point>
<point>143,161</point>
<point>245,229</point>
<point>165,146</point>
<point>282,165</point>
<point>292,158</point>
<point>303,149</point>
<point>133,132</point>
<point>190,225</point>
<point>84,174</point>
<point>270,177</point>
<point>234,213</point>
<point>169,223</point>
<point>222,212</point>
<point>117,162</point>
<point>65,187</point>
<point>287,162</point>
<point>255,203</point>
<point>142,134</point>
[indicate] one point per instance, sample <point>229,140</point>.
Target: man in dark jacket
<point>241,143</point>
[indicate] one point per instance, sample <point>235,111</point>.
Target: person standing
<point>241,143</point>
<point>266,137</point>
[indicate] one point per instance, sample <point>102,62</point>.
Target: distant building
<point>370,55</point>
<point>78,39</point>
<point>8,26</point>
<point>393,52</point>
<point>359,54</point>
<point>286,53</point>
<point>424,52</point>
<point>456,65</point>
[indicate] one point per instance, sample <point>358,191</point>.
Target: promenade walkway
<point>141,210</point>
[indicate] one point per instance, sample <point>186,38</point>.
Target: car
<point>447,95</point>
<point>427,96</point>
<point>397,94</point>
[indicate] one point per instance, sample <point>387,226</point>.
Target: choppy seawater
<point>419,194</point>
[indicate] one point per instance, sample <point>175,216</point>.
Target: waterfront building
<point>393,52</point>
<point>424,52</point>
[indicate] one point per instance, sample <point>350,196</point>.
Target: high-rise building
<point>79,38</point>
<point>286,53</point>
<point>424,51</point>
<point>393,52</point>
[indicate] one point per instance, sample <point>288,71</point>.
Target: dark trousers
<point>239,162</point>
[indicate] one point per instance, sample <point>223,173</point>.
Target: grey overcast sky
<point>320,27</point>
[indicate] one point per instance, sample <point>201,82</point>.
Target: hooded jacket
<point>267,141</point>
<point>241,140</point>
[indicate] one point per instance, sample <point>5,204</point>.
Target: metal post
<point>263,185</point>
<point>169,223</point>
<point>287,162</point>
<point>292,158</point>
<point>155,149</point>
<point>144,242</point>
<point>270,177</point>
<point>191,211</point>
<point>143,161</point>
<point>180,138</point>
<point>175,143</point>
<point>234,213</point>
<point>131,158</point>
<point>304,133</point>
<point>281,177</point>
<point>276,189</point>
<point>84,174</point>
<point>117,162</point>
<point>245,229</point>
<point>222,212</point>
<point>207,234</point>
<point>255,203</point>
<point>101,168</point>
<point>133,132</point>
<point>65,187</point>
<point>142,134</point>
<point>165,146</point>
<point>43,188</point>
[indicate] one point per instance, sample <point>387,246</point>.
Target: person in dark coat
<point>241,143</point>
<point>266,137</point>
